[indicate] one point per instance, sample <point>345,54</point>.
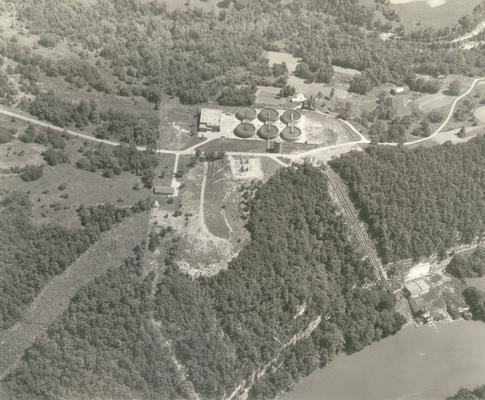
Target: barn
<point>210,120</point>
<point>163,190</point>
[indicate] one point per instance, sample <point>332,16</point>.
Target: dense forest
<point>466,394</point>
<point>104,346</point>
<point>475,299</point>
<point>466,265</point>
<point>296,295</point>
<point>30,254</point>
<point>195,55</point>
<point>418,202</point>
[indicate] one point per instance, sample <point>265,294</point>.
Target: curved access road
<point>445,122</point>
<point>275,157</point>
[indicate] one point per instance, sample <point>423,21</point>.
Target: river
<point>417,364</point>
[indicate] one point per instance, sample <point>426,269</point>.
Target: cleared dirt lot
<point>200,251</point>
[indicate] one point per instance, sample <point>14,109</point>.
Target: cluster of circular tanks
<point>268,116</point>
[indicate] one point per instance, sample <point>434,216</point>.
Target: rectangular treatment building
<point>210,120</point>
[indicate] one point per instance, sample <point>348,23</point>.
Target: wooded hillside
<point>117,338</point>
<point>420,201</point>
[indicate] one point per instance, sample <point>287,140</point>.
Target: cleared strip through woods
<point>108,252</point>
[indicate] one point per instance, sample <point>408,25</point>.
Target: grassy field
<point>215,193</point>
<point>18,154</point>
<point>418,13</point>
<point>223,209</point>
<point>83,187</point>
<point>252,146</point>
<point>269,167</point>
<point>108,252</point>
<point>325,131</point>
<point>206,5</point>
<point>178,125</point>
<point>342,77</point>
<point>269,96</point>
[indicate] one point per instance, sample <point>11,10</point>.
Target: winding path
<point>445,122</point>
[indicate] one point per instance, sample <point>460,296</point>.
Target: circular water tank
<point>246,114</point>
<point>291,134</point>
<point>245,130</point>
<point>268,115</point>
<point>290,116</point>
<point>268,132</point>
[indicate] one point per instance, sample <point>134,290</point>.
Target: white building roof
<point>298,97</point>
<point>210,116</point>
<point>417,288</point>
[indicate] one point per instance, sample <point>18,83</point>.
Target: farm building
<point>210,120</point>
<point>396,90</point>
<point>164,190</point>
<point>416,288</point>
<point>298,98</point>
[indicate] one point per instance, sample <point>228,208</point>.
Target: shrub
<point>31,172</point>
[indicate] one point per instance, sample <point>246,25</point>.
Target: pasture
<point>479,114</point>
<point>18,154</point>
<point>206,5</point>
<point>431,13</point>
<point>178,125</point>
<point>50,204</point>
<point>325,131</point>
<point>342,77</point>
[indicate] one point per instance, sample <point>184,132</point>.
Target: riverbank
<point>416,364</point>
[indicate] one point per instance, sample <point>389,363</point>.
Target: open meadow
<point>62,188</point>
<point>82,187</point>
<point>433,13</point>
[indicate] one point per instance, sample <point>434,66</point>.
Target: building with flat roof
<point>210,120</point>
<point>298,98</point>
<point>397,90</point>
<point>416,288</point>
<point>164,190</point>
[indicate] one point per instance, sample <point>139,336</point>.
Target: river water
<point>426,364</point>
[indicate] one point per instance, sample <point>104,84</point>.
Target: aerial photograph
<point>242,199</point>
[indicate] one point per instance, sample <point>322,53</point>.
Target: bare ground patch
<point>200,252</point>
